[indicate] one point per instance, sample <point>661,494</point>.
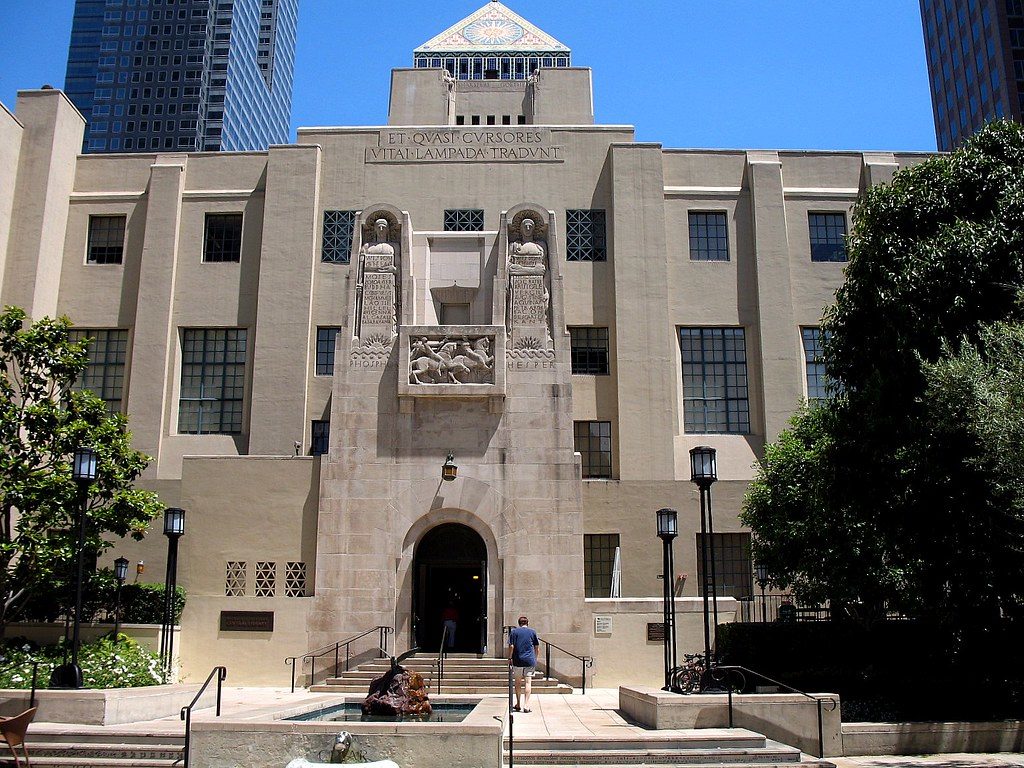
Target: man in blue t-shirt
<point>522,657</point>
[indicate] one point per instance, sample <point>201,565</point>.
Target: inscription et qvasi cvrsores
<point>477,144</point>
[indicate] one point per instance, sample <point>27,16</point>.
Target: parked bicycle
<point>687,677</point>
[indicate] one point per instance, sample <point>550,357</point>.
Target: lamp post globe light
<point>174,529</point>
<point>668,529</point>
<point>761,576</point>
<point>703,474</point>
<point>120,573</point>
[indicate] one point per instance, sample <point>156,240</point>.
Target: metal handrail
<point>586,661</point>
<point>186,711</point>
<point>313,655</point>
<point>35,676</point>
<point>441,654</point>
<point>744,671</point>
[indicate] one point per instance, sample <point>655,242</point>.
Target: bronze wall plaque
<point>656,632</point>
<point>248,621</point>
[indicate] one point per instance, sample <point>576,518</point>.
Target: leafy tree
<point>890,494</point>
<point>42,422</point>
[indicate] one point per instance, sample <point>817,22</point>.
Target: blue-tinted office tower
<point>183,74</point>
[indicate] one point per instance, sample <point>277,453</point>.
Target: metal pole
<point>511,719</point>
<point>293,674</point>
<point>117,610</point>
<point>547,660</point>
<point>672,601</point>
<point>171,595</point>
<point>76,637</point>
<point>665,618</point>
<point>764,606</point>
<point>704,584</point>
<point>164,628</point>
<point>714,575</point>
<point>821,734</point>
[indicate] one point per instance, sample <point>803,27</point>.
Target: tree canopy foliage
<point>42,422</point>
<point>904,491</point>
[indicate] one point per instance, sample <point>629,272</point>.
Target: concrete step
<point>343,687</point>
<point>370,674</point>
<point>90,762</point>
<point>489,680</point>
<point>109,749</point>
<point>701,738</point>
<point>44,733</point>
<point>732,757</point>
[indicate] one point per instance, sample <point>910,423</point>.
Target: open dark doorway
<point>450,581</point>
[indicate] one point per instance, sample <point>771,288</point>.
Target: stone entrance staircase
<point>73,748</point>
<point>708,748</point>
<point>463,673</point>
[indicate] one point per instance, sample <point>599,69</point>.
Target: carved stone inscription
<point>464,360</point>
<point>378,299</point>
<point>462,145</point>
<point>529,300</point>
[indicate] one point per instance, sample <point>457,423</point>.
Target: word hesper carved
<point>465,360</point>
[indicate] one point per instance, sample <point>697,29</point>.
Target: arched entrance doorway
<point>450,578</point>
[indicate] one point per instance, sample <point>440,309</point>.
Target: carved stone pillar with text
<point>529,316</point>
<point>377,312</point>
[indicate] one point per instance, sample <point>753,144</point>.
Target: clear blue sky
<point>814,74</point>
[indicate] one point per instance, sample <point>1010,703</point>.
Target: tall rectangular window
<point>589,350</point>
<point>106,239</point>
<point>817,382</point>
<point>593,441</point>
<point>223,241</point>
<point>325,338</point>
<point>212,381</point>
<point>709,236</point>
<point>733,567</point>
<point>321,439</point>
<point>828,236</point>
<point>715,399</point>
<point>585,237</point>
<point>463,220</point>
<point>598,562</point>
<point>104,373</point>
<point>337,236</point>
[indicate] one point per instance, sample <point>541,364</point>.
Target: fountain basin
<point>475,742</point>
<point>350,712</point>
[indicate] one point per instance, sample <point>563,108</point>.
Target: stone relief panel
<point>529,300</point>
<point>380,257</point>
<point>451,360</point>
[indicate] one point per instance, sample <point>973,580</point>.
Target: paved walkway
<point>932,761</point>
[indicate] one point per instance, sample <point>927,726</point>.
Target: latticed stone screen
<point>234,580</point>
<point>337,239</point>
<point>585,238</point>
<point>463,220</point>
<point>295,580</point>
<point>266,579</point>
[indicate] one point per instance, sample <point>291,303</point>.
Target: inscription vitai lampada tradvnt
<point>490,144</point>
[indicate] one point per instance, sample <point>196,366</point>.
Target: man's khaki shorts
<point>524,671</point>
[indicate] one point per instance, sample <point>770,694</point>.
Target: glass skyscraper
<point>183,75</point>
<point>975,54</point>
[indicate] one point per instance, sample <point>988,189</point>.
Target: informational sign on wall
<point>656,632</point>
<point>602,625</point>
<point>246,621</point>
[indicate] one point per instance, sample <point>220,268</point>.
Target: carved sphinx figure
<point>527,255</point>
<point>449,362</point>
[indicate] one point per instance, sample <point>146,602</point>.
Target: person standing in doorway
<point>450,620</point>
<point>522,657</point>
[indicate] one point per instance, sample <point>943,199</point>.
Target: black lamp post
<point>449,470</point>
<point>174,529</point>
<point>761,576</point>
<point>120,573</point>
<point>704,473</point>
<point>668,529</point>
<point>84,469</point>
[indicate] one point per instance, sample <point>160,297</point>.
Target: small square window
<point>463,220</point>
<point>709,236</point>
<point>339,227</point>
<point>589,351</point>
<point>593,441</point>
<point>321,438</point>
<point>585,236</point>
<point>325,341</point>
<point>106,239</point>
<point>828,236</point>
<point>223,240</point>
<point>599,563</point>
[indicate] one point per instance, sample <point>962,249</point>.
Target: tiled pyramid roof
<point>495,27</point>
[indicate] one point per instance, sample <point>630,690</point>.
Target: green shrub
<point>140,603</point>
<point>144,603</point>
<point>105,664</point>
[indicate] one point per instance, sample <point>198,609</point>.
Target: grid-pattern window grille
<point>709,236</point>
<point>828,236</point>
<point>598,561</point>
<point>337,241</point>
<point>266,579</point>
<point>321,440</point>
<point>295,579</point>
<point>234,579</point>
<point>715,398</point>
<point>585,238</point>
<point>733,565</point>
<point>463,220</point>
<point>106,239</point>
<point>223,240</point>
<point>325,338</point>
<point>593,441</point>
<point>212,381</point>
<point>818,385</point>
<point>104,372</point>
<point>589,350</point>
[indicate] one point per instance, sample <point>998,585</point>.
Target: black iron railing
<point>335,649</point>
<point>586,662</point>
<point>723,673</point>
<point>35,678</point>
<point>186,712</point>
<point>441,654</point>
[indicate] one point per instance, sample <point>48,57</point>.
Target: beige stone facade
<point>448,341</point>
